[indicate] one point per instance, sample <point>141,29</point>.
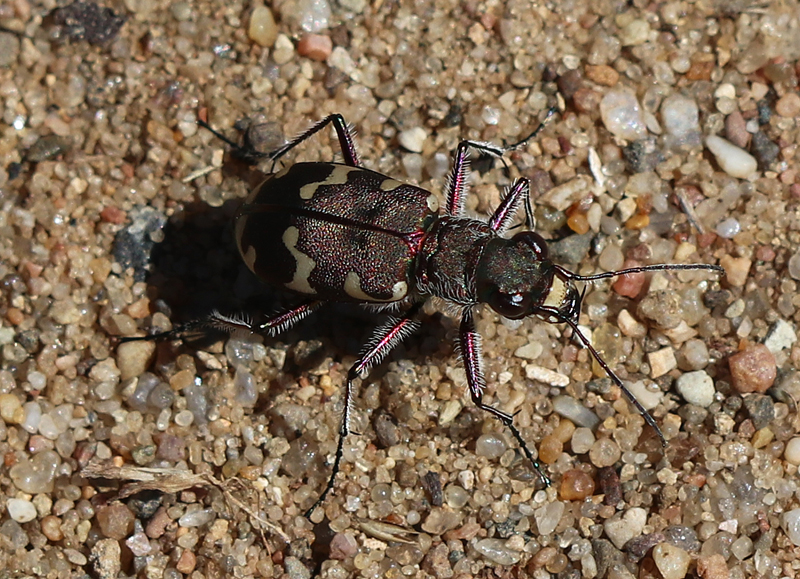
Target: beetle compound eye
<point>513,306</point>
<point>534,241</point>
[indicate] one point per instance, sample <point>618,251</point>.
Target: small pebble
<point>413,139</point>
<point>604,452</point>
<point>621,529</point>
<point>622,114</point>
<point>764,149</point>
<point>630,326</point>
<point>681,119</point>
<point>283,50</point>
<point>734,161</point>
<point>639,546</point>
<point>790,523</point>
<point>20,510</point>
<point>736,269</point>
<point>133,358</point>
<point>262,30</point>
<point>576,485</point>
<point>780,337</point>
<point>582,440</point>
<point>569,408</point>
<point>491,446</point>
<point>663,307</point>
<point>661,361</point>
<point>629,285</point>
<point>713,567</point>
<point>440,520</point>
<point>550,449</point>
<point>610,486</point>
<point>742,547</point>
<point>753,370</point>
<point>635,32</point>
<point>187,562</point>
<point>695,355</point>
<point>728,228</point>
<point>106,558</point>
<point>11,409</point>
<point>546,376</point>
<point>736,130</point>
<point>761,410</point>
<point>788,105</point>
<point>315,46</point>
<point>529,351</point>
<point>115,521</point>
<point>497,551</point>
<point>139,544</point>
<point>547,517</point>
<point>792,452</point>
<point>51,528</point>
<point>648,394</point>
<point>683,537</point>
<point>602,74</point>
<point>696,388</point>
<point>296,569</point>
<point>37,474</point>
<point>671,561</point>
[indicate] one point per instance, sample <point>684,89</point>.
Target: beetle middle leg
<point>346,141</point>
<point>383,340</point>
<point>469,341</point>
<point>456,189</point>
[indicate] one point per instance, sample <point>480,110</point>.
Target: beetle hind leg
<point>343,133</point>
<point>384,339</point>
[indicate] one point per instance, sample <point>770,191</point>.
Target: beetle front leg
<point>383,340</point>
<point>470,342</point>
<point>342,132</point>
<point>505,212</point>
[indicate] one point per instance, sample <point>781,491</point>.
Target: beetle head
<point>517,279</point>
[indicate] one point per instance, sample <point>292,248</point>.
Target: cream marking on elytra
<point>305,265</point>
<point>249,256</point>
<point>390,184</point>
<point>283,172</point>
<point>556,295</point>
<point>352,286</point>
<point>337,177</point>
<point>251,197</point>
<point>433,202</point>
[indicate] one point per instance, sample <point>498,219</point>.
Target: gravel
<point>192,456</point>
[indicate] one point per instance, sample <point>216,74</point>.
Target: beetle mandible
<point>343,233</point>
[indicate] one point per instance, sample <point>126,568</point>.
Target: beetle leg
<point>272,327</point>
<point>470,342</point>
<point>383,340</point>
<point>457,183</point>
<point>342,132</point>
<point>507,209</point>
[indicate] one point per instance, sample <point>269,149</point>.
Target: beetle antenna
<point>643,268</point>
<point>648,418</point>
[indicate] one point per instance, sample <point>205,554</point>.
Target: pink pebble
<point>315,46</point>
<point>629,285</point>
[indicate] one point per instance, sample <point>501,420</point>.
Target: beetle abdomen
<point>335,232</point>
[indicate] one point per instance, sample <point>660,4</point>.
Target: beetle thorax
<point>448,259</point>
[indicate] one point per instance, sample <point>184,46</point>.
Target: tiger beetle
<point>337,232</point>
